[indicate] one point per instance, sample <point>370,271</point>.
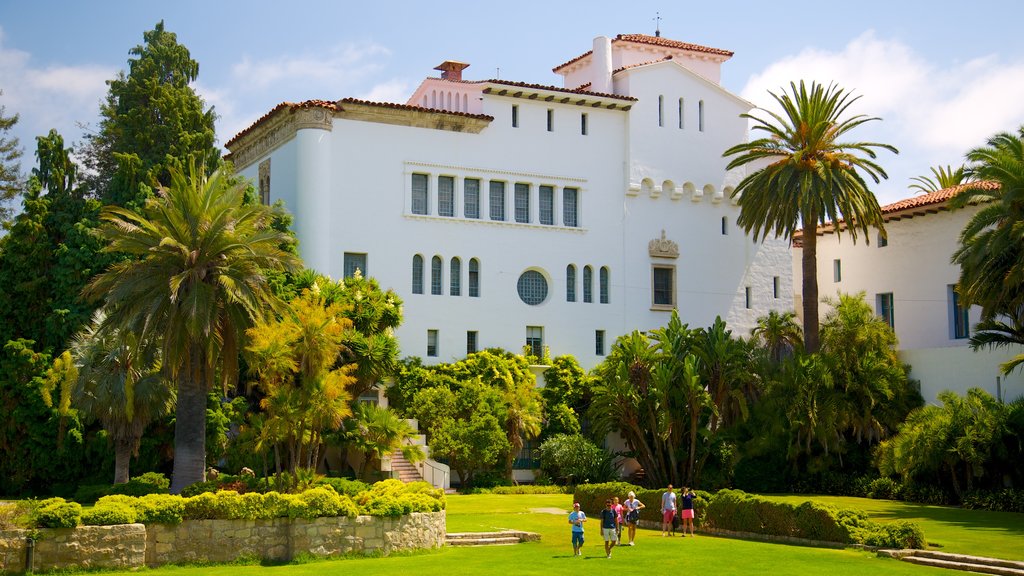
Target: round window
<point>533,288</point>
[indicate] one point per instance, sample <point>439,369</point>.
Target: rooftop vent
<point>452,70</point>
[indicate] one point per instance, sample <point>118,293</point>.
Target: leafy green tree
<point>991,252</point>
<point>573,459</point>
<point>196,282</point>
<point>812,177</point>
<point>152,121</point>
<point>10,168</point>
<point>942,177</point>
<point>295,361</point>
<point>115,379</point>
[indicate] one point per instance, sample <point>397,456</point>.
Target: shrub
<point>1006,500</point>
<point>57,513</point>
<point>90,493</point>
<point>160,509</point>
<point>202,506</point>
<point>15,515</point>
<point>379,504</point>
<point>883,489</point>
<point>109,514</point>
<point>319,502</point>
<point>592,496</point>
<point>898,534</point>
<point>345,486</point>
<point>148,483</point>
<point>275,504</point>
<point>924,493</point>
<point>573,459</point>
<point>418,502</point>
<point>532,489</point>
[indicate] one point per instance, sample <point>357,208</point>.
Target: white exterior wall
<point>349,188</point>
<point>915,267</point>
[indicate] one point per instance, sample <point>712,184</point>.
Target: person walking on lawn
<point>608,528</point>
<point>632,506</point>
<point>618,517</point>
<point>687,510</point>
<point>577,517</point>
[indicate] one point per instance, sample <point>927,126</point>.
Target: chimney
<point>601,66</point>
<point>452,70</point>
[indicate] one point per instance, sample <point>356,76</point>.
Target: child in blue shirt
<point>577,517</point>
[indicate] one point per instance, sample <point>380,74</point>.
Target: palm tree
<point>779,333</point>
<point>120,385</point>
<point>195,280</point>
<point>991,252</point>
<point>377,431</point>
<point>523,418</point>
<point>999,333</point>
<point>812,177</point>
<point>942,177</point>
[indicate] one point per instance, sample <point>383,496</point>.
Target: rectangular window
<point>522,200</point>
<point>959,315</point>
<point>432,343</point>
<point>264,182</point>
<point>569,208</point>
<point>583,124</point>
<point>725,225</point>
<point>446,196</point>
<point>535,340</point>
<point>681,114</point>
<point>837,270</point>
<point>661,111</point>
<point>471,342</point>
<point>551,120</point>
<point>663,280</point>
<point>599,342</point>
<point>419,194</point>
<point>884,307</point>
<point>354,261</point>
<point>547,205</point>
<point>883,240</point>
<point>471,197</point>
<point>747,297</point>
<point>775,287</point>
<point>497,198</point>
<point>700,116</point>
<point>515,116</point>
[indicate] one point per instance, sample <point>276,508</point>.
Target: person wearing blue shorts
<point>577,517</point>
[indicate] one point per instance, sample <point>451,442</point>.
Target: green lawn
<point>948,529</point>
<point>553,554</point>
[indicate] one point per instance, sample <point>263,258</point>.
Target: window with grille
<point>471,338</point>
<point>455,272</point>
<point>570,283</point>
<point>522,200</point>
<point>446,196</point>
<point>884,307</point>
<point>547,205</point>
<point>432,343</point>
<point>474,278</point>
<point>417,274</point>
<point>471,197</point>
<point>535,340</point>
<point>599,342</point>
<point>497,199</point>
<point>354,261</point>
<point>419,194</point>
<point>569,208</point>
<point>435,275</point>
<point>960,315</point>
<point>588,281</point>
<point>604,284</point>
<point>663,287</point>
<point>532,287</point>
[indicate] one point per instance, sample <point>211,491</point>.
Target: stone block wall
<point>137,545</point>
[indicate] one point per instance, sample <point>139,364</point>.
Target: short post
<point>30,554</point>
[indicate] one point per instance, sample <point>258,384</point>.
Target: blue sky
<point>941,75</point>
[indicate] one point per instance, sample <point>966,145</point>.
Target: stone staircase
<point>962,562</point>
<point>406,471</point>
<point>503,538</point>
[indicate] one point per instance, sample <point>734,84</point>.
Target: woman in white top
<point>632,508</point>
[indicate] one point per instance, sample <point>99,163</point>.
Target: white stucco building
<point>507,213</point>
<point>909,279</point>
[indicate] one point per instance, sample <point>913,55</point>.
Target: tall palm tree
<point>812,177</point>
<point>195,280</point>
<point>120,385</point>
<point>377,431</point>
<point>942,177</point>
<point>991,252</point>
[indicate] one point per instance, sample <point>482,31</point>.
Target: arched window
<point>417,274</point>
<point>474,278</point>
<point>682,114</point>
<point>588,284</point>
<point>455,271</point>
<point>570,283</point>
<point>661,110</point>
<point>604,284</point>
<point>435,275</point>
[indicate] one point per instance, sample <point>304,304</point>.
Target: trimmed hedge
<point>592,496</point>
<point>1005,500</point>
<point>57,513</point>
<point>738,511</point>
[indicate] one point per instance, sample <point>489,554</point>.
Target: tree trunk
<point>190,425</point>
<point>122,459</point>
<point>810,282</point>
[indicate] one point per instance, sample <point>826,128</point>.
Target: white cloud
<point>391,91</point>
<point>932,111</point>
<point>339,66</point>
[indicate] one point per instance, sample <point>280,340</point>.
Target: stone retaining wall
<point>137,545</point>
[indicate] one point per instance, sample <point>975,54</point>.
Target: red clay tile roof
<point>333,106</point>
<point>558,89</point>
<point>617,70</point>
<point>937,197</point>
<point>655,41</point>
